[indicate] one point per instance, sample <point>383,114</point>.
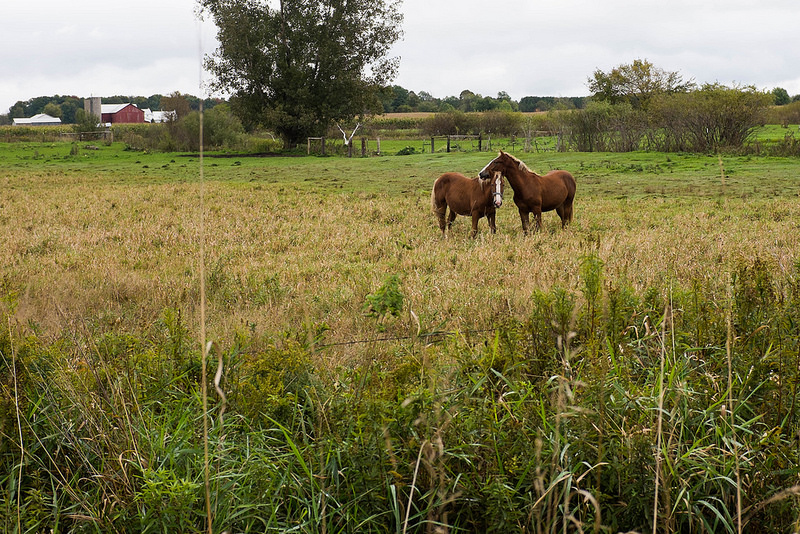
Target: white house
<point>42,119</point>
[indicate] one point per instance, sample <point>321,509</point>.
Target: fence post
<point>379,146</point>
<point>432,145</point>
<point>363,147</point>
<point>323,145</point>
<point>480,142</point>
<point>448,144</point>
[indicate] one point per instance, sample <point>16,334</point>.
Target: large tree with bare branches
<point>298,66</point>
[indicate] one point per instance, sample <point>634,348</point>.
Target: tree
<point>69,107</point>
<point>86,122</point>
<point>52,109</point>
<point>781,96</point>
<point>529,104</point>
<point>17,110</point>
<point>636,84</point>
<point>427,102</point>
<point>299,67</point>
<point>466,100</point>
<point>484,103</point>
<point>176,102</point>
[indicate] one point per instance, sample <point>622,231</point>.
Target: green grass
<point>514,383</point>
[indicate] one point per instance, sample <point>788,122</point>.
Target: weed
<point>386,301</point>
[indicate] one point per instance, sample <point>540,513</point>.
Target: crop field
<point>638,368</point>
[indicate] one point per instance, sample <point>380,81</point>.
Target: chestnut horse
<point>533,193</point>
<point>467,196</point>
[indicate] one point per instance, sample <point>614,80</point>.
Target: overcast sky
<point>525,47</point>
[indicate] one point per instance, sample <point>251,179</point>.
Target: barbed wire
<point>402,338</point>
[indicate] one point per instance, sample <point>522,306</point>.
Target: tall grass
<point>636,372</point>
<point>495,432</point>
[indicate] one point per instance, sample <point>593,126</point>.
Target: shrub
<point>712,118</point>
<point>784,115</point>
<point>501,123</point>
<point>451,123</point>
<point>605,127</point>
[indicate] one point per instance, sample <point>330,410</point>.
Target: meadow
<point>635,372</point>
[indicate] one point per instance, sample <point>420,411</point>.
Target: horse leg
<point>492,226</point>
<point>475,217</point>
<point>537,215</point>
<point>452,218</point>
<point>440,212</point>
<point>526,223</point>
<point>567,215</point>
<point>561,210</point>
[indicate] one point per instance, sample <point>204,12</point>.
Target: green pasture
<point>637,369</point>
<point>619,174</point>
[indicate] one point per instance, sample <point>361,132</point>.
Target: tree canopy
<point>636,83</point>
<point>781,96</point>
<point>300,66</point>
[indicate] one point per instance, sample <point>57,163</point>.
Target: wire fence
<point>439,335</point>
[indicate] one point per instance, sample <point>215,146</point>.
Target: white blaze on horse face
<point>498,193</point>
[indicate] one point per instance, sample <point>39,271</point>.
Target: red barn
<point>121,113</point>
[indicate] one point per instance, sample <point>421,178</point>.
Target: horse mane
<point>519,162</point>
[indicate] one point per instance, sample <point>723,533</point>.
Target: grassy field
<point>117,232</point>
<point>375,377</point>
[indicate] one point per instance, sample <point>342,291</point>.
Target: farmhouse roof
<point>39,119</point>
<point>114,108</point>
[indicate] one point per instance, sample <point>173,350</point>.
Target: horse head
<point>501,163</point>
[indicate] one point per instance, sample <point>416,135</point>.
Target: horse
<point>467,196</point>
<point>533,193</point>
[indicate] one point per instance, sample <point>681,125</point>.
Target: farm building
<point>41,119</point>
<point>158,116</point>
<point>121,113</point>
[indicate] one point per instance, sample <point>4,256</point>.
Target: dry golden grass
<point>111,250</point>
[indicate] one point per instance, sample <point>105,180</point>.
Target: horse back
<point>447,181</point>
<point>558,188</point>
<point>456,191</point>
<point>450,177</point>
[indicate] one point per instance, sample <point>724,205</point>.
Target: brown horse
<point>467,196</point>
<point>533,193</point>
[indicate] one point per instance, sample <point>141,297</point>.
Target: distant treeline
<point>395,99</point>
<point>398,99</point>
<point>66,107</point>
<point>708,118</point>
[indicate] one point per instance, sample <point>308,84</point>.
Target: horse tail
<point>572,188</point>
<point>433,194</point>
